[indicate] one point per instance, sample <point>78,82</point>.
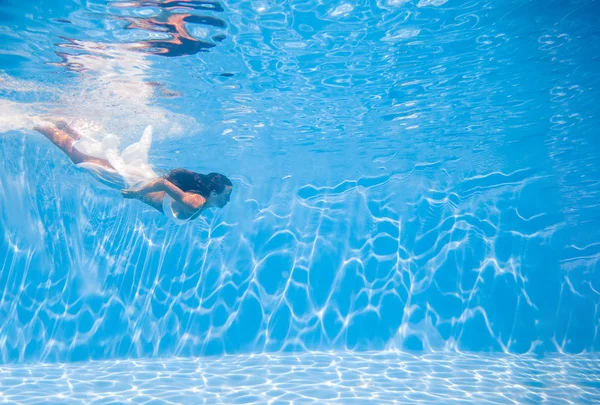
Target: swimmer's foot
<point>37,122</point>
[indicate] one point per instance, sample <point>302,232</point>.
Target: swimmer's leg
<point>66,128</point>
<point>65,143</point>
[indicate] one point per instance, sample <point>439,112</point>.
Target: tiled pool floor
<point>315,378</point>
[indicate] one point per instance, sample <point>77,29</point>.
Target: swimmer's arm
<point>190,200</point>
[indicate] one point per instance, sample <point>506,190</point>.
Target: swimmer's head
<point>221,199</point>
<point>215,187</point>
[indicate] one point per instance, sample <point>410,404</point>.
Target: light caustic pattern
<point>311,378</point>
<point>428,182</point>
<point>343,267</point>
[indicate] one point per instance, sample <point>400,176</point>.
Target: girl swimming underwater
<point>181,194</point>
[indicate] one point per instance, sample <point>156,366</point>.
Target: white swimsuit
<point>131,168</point>
<point>169,213</point>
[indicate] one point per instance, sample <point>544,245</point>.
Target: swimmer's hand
<point>130,193</point>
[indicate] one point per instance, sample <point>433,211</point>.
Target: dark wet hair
<point>202,184</point>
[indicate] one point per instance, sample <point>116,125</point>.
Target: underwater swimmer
<point>181,194</point>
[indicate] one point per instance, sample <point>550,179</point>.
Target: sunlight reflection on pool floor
<point>302,378</point>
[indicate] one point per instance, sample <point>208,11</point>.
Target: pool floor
<point>311,378</point>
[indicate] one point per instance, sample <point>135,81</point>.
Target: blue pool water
<point>415,215</point>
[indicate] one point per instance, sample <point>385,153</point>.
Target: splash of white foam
<point>400,34</point>
<point>340,10</point>
<point>397,2</point>
<point>435,3</point>
<point>112,89</point>
<point>16,116</point>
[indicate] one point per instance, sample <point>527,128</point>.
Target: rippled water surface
<point>409,175</point>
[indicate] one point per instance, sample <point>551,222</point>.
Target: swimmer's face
<point>220,200</point>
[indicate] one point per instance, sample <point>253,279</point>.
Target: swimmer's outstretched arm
<point>191,200</point>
